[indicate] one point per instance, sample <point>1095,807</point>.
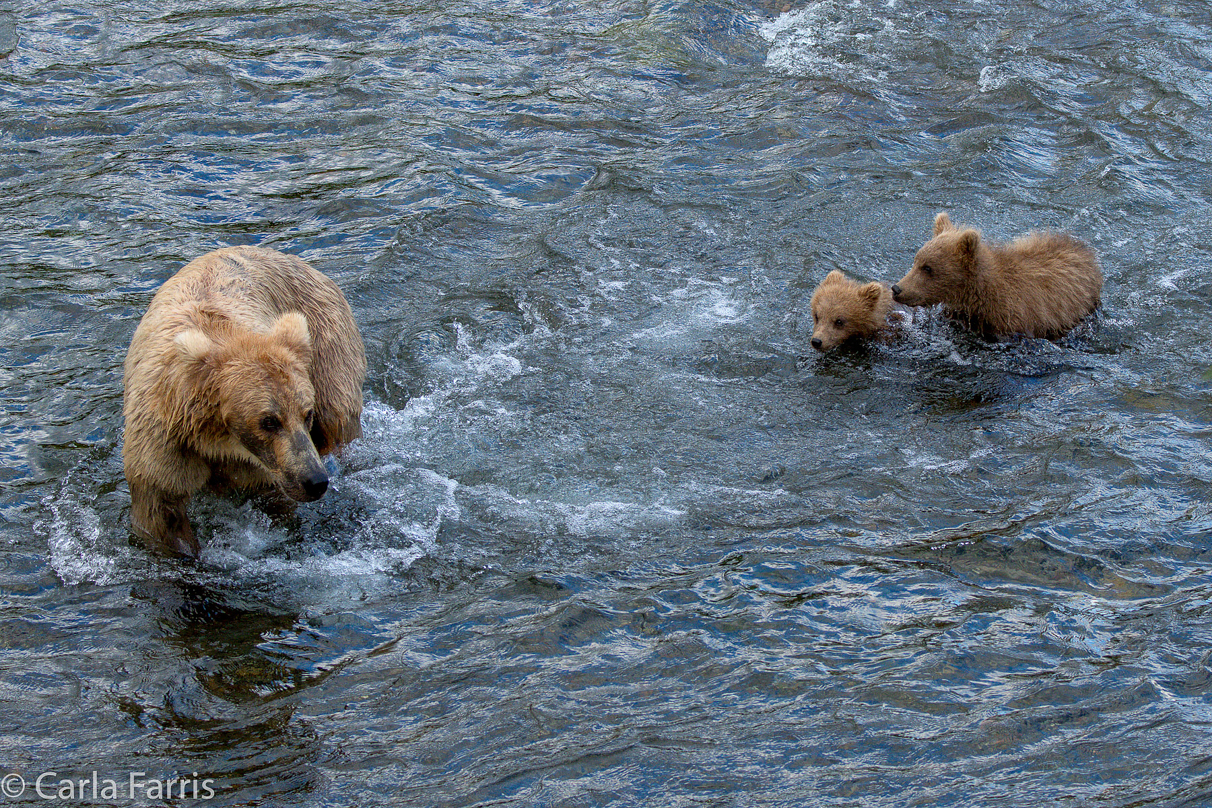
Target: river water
<point>615,535</point>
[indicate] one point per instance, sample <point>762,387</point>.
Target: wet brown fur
<point>843,309</point>
<point>1041,285</point>
<point>246,368</point>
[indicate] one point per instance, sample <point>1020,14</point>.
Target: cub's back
<point>1055,278</point>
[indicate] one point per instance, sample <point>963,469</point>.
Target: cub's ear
<point>942,223</point>
<point>291,330</point>
<point>195,346</point>
<point>969,240</point>
<point>836,276</point>
<point>870,294</point>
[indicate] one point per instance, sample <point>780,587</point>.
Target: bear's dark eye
<point>270,423</point>
<point>309,419</point>
<point>839,322</point>
<point>927,270</point>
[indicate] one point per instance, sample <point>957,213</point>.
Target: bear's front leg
<point>159,519</point>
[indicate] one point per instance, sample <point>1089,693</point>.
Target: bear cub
<point>843,309</point>
<point>245,369</point>
<point>1040,285</point>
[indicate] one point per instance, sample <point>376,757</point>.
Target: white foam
<point>805,42</point>
<point>384,519</point>
<point>595,519</point>
<point>86,529</point>
<point>322,582</point>
<point>617,519</point>
<point>927,462</point>
<point>372,525</point>
<point>787,21</point>
<point>693,312</point>
<point>993,77</point>
<point>76,542</point>
<point>472,365</point>
<point>1170,279</point>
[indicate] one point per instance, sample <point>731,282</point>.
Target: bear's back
<point>1050,279</point>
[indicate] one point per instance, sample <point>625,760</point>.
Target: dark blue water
<point>615,535</point>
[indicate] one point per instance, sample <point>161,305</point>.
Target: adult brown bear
<point>245,370</point>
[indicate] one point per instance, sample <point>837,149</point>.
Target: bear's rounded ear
<point>835,276</point>
<point>291,330</point>
<point>194,345</point>
<point>969,240</point>
<point>942,223</point>
<point>870,294</point>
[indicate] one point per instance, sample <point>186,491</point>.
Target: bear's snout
<point>302,475</point>
<point>816,343</point>
<point>896,292</point>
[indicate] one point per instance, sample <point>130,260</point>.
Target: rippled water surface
<point>615,536</point>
